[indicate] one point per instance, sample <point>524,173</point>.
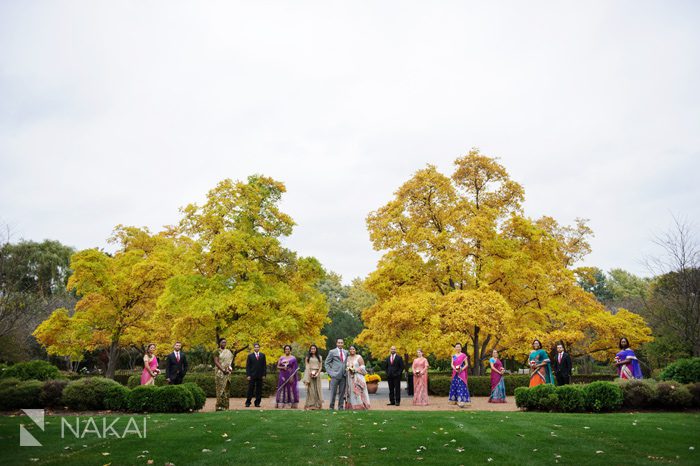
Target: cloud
<point>122,113</point>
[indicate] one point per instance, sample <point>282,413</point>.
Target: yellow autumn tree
<point>463,263</point>
<point>117,294</point>
<point>239,282</point>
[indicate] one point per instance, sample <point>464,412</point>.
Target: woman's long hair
<point>309,355</point>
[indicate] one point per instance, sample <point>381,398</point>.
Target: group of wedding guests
<point>346,370</point>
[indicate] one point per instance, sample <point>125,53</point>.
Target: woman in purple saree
<point>459,390</point>
<point>626,362</point>
<point>287,390</point>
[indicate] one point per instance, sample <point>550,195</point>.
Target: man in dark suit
<point>255,371</point>
<point>176,365</point>
<point>561,365</point>
<point>394,369</point>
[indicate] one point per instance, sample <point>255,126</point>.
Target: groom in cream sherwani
<point>335,367</point>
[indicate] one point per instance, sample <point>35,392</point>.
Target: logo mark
<point>26,439</point>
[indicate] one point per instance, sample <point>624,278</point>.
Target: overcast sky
<point>122,112</point>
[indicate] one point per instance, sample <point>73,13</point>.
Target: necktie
<point>342,359</point>
<point>257,356</point>
<point>392,359</point>
<point>559,358</point>
<point>177,356</point>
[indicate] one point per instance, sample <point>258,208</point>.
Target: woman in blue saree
<point>626,362</point>
<point>459,390</point>
<point>540,369</point>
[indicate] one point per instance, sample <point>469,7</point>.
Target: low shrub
<point>25,394</point>
<point>638,393</point>
<point>197,394</point>
<point>88,393</point>
<point>603,396</point>
<point>683,370</point>
<point>570,398</point>
<point>9,382</point>
<point>52,393</point>
<point>694,389</point>
<point>439,385</point>
<point>117,398</point>
<point>522,397</point>
<point>672,395</point>
<point>142,398</point>
<point>172,399</point>
<point>543,398</point>
<point>32,370</point>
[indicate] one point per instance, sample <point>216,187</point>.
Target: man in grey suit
<point>335,368</point>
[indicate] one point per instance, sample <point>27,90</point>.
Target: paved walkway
<point>380,400</point>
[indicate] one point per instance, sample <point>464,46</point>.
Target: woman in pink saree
<point>356,396</point>
<point>459,390</point>
<point>150,366</point>
<point>420,380</point>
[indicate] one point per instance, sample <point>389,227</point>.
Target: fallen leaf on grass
<point>586,427</point>
<point>598,452</point>
<point>383,449</point>
<point>105,453</point>
<point>460,449</point>
<point>149,462</point>
<point>520,435</point>
<point>691,448</point>
<point>343,457</point>
<point>206,450</point>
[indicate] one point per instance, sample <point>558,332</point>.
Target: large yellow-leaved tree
<point>240,282</point>
<point>118,295</point>
<point>463,263</point>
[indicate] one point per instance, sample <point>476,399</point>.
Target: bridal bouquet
<point>533,364</point>
<point>314,374</point>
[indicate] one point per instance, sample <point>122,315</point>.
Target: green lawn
<point>375,437</point>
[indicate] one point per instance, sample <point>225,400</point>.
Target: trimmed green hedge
<point>439,385</point>
<point>596,397</point>
<point>24,394</point>
<point>239,384</point>
<point>88,393</point>
<point>166,399</point>
<point>32,370</point>
<point>607,396</point>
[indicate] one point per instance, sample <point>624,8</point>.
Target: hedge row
<point>439,385</point>
<point>99,393</point>
<point>207,382</point>
<point>683,371</point>
<point>31,370</point>
<point>609,396</point>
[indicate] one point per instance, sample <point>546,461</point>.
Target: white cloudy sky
<point>121,112</point>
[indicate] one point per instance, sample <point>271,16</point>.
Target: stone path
<point>379,401</point>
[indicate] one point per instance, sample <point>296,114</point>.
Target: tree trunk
<point>113,356</point>
<point>476,361</point>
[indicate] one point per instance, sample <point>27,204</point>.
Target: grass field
<point>374,437</point>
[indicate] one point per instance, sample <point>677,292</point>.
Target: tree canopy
<point>463,262</point>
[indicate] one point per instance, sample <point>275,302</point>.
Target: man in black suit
<point>176,365</point>
<point>255,371</point>
<point>394,369</point>
<point>561,365</point>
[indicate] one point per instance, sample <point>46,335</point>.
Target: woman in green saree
<point>540,369</point>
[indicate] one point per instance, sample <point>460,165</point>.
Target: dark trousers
<point>563,379</point>
<point>254,385</point>
<point>394,389</point>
